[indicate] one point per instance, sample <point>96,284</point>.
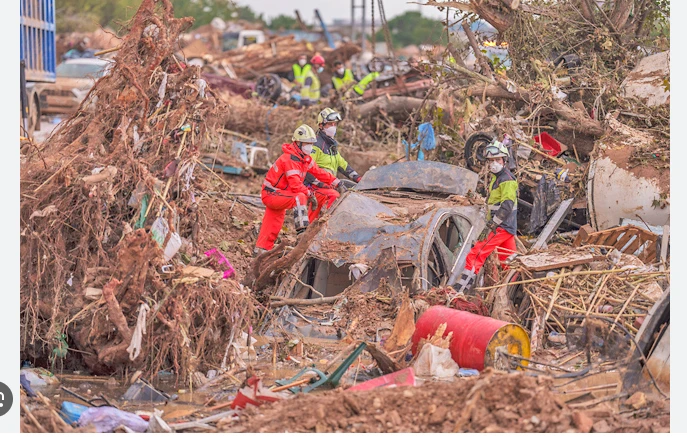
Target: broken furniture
<point>628,239</point>
<point>330,381</point>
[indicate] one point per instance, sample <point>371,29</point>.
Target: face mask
<point>340,70</point>
<point>320,69</point>
<point>330,131</point>
<point>495,167</point>
<point>301,62</point>
<point>306,148</point>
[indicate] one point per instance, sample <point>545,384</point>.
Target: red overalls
<point>283,189</point>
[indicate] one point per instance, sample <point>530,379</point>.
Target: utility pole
<point>355,6</point>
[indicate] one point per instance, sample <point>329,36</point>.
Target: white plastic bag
<point>435,362</point>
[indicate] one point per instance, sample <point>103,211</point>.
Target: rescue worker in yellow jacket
<point>310,92</point>
<point>299,71</point>
<point>343,78</point>
<point>325,151</point>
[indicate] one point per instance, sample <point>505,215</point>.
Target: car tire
<point>474,150</point>
<point>268,87</point>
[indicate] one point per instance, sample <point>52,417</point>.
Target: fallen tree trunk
<point>571,119</point>
<point>391,105</point>
<point>268,274</point>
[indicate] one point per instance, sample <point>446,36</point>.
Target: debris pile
<point>93,279</point>
<point>494,402</point>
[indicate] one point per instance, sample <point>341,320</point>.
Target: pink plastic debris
<point>221,260</point>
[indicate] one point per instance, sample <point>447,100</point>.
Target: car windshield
<point>78,70</point>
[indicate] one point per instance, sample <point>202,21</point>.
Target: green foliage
<point>285,22</point>
<point>88,15</point>
<point>412,28</point>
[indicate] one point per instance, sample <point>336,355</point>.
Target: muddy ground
<point>493,402</point>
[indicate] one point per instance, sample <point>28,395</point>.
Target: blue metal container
<point>37,37</point>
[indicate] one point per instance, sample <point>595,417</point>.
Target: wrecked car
<point>418,210</point>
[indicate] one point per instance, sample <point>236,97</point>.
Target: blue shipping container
<point>37,36</point>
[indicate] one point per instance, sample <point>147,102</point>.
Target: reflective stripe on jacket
<point>362,85</point>
<point>345,81</point>
<point>299,72</point>
<point>311,87</point>
<point>503,201</point>
<point>290,169</point>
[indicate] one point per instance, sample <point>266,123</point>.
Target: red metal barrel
<point>475,338</point>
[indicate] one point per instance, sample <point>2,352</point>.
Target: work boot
<point>466,281</point>
<point>300,216</point>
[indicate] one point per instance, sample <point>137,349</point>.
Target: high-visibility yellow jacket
<point>310,92</point>
<point>360,87</point>
<point>343,82</point>
<point>325,153</point>
<point>299,72</point>
<point>503,200</point>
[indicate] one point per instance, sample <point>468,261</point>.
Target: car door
<point>448,242</point>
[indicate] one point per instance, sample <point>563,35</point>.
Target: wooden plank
<point>582,235</point>
<point>649,255</point>
<point>611,239</point>
<point>624,239</point>
<point>634,245</point>
<point>553,224</point>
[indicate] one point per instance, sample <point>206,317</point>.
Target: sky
<point>331,9</point>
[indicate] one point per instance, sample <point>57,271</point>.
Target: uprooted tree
<point>582,47</point>
<point>119,171</point>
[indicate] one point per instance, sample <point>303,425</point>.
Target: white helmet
<point>496,149</point>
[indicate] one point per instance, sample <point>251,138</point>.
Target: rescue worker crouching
<point>326,150</point>
<point>499,232</point>
<point>283,188</point>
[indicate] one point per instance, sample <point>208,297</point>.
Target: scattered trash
<point>402,378</point>
<point>435,362</point>
<point>72,412</point>
<point>107,419</point>
<point>254,393</point>
<point>142,390</point>
<point>39,377</point>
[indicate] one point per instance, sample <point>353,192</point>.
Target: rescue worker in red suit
<point>283,189</point>
<point>499,232</point>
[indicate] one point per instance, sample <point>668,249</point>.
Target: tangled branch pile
<point>118,172</point>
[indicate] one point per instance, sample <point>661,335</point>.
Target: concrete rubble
<point>144,306</point>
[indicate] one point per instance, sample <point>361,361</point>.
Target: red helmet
<point>317,60</point>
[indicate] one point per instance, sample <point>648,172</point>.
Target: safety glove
<point>313,202</point>
<point>341,187</point>
<point>488,229</point>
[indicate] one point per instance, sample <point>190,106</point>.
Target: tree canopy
<point>412,28</point>
<point>88,15</point>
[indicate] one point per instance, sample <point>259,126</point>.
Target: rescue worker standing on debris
<point>499,232</point>
<point>310,92</point>
<point>326,150</point>
<point>283,188</point>
<point>343,78</point>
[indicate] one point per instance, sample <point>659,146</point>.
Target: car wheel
<point>474,150</point>
<point>268,87</point>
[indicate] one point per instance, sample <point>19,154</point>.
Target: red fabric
<point>289,171</point>
<point>276,204</point>
<point>501,240</point>
<point>323,195</point>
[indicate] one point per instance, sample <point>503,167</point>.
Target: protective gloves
<point>488,229</point>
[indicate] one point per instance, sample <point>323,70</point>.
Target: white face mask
<point>302,62</point>
<point>340,70</point>
<point>495,167</point>
<point>320,69</point>
<point>330,131</point>
<point>306,148</point>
